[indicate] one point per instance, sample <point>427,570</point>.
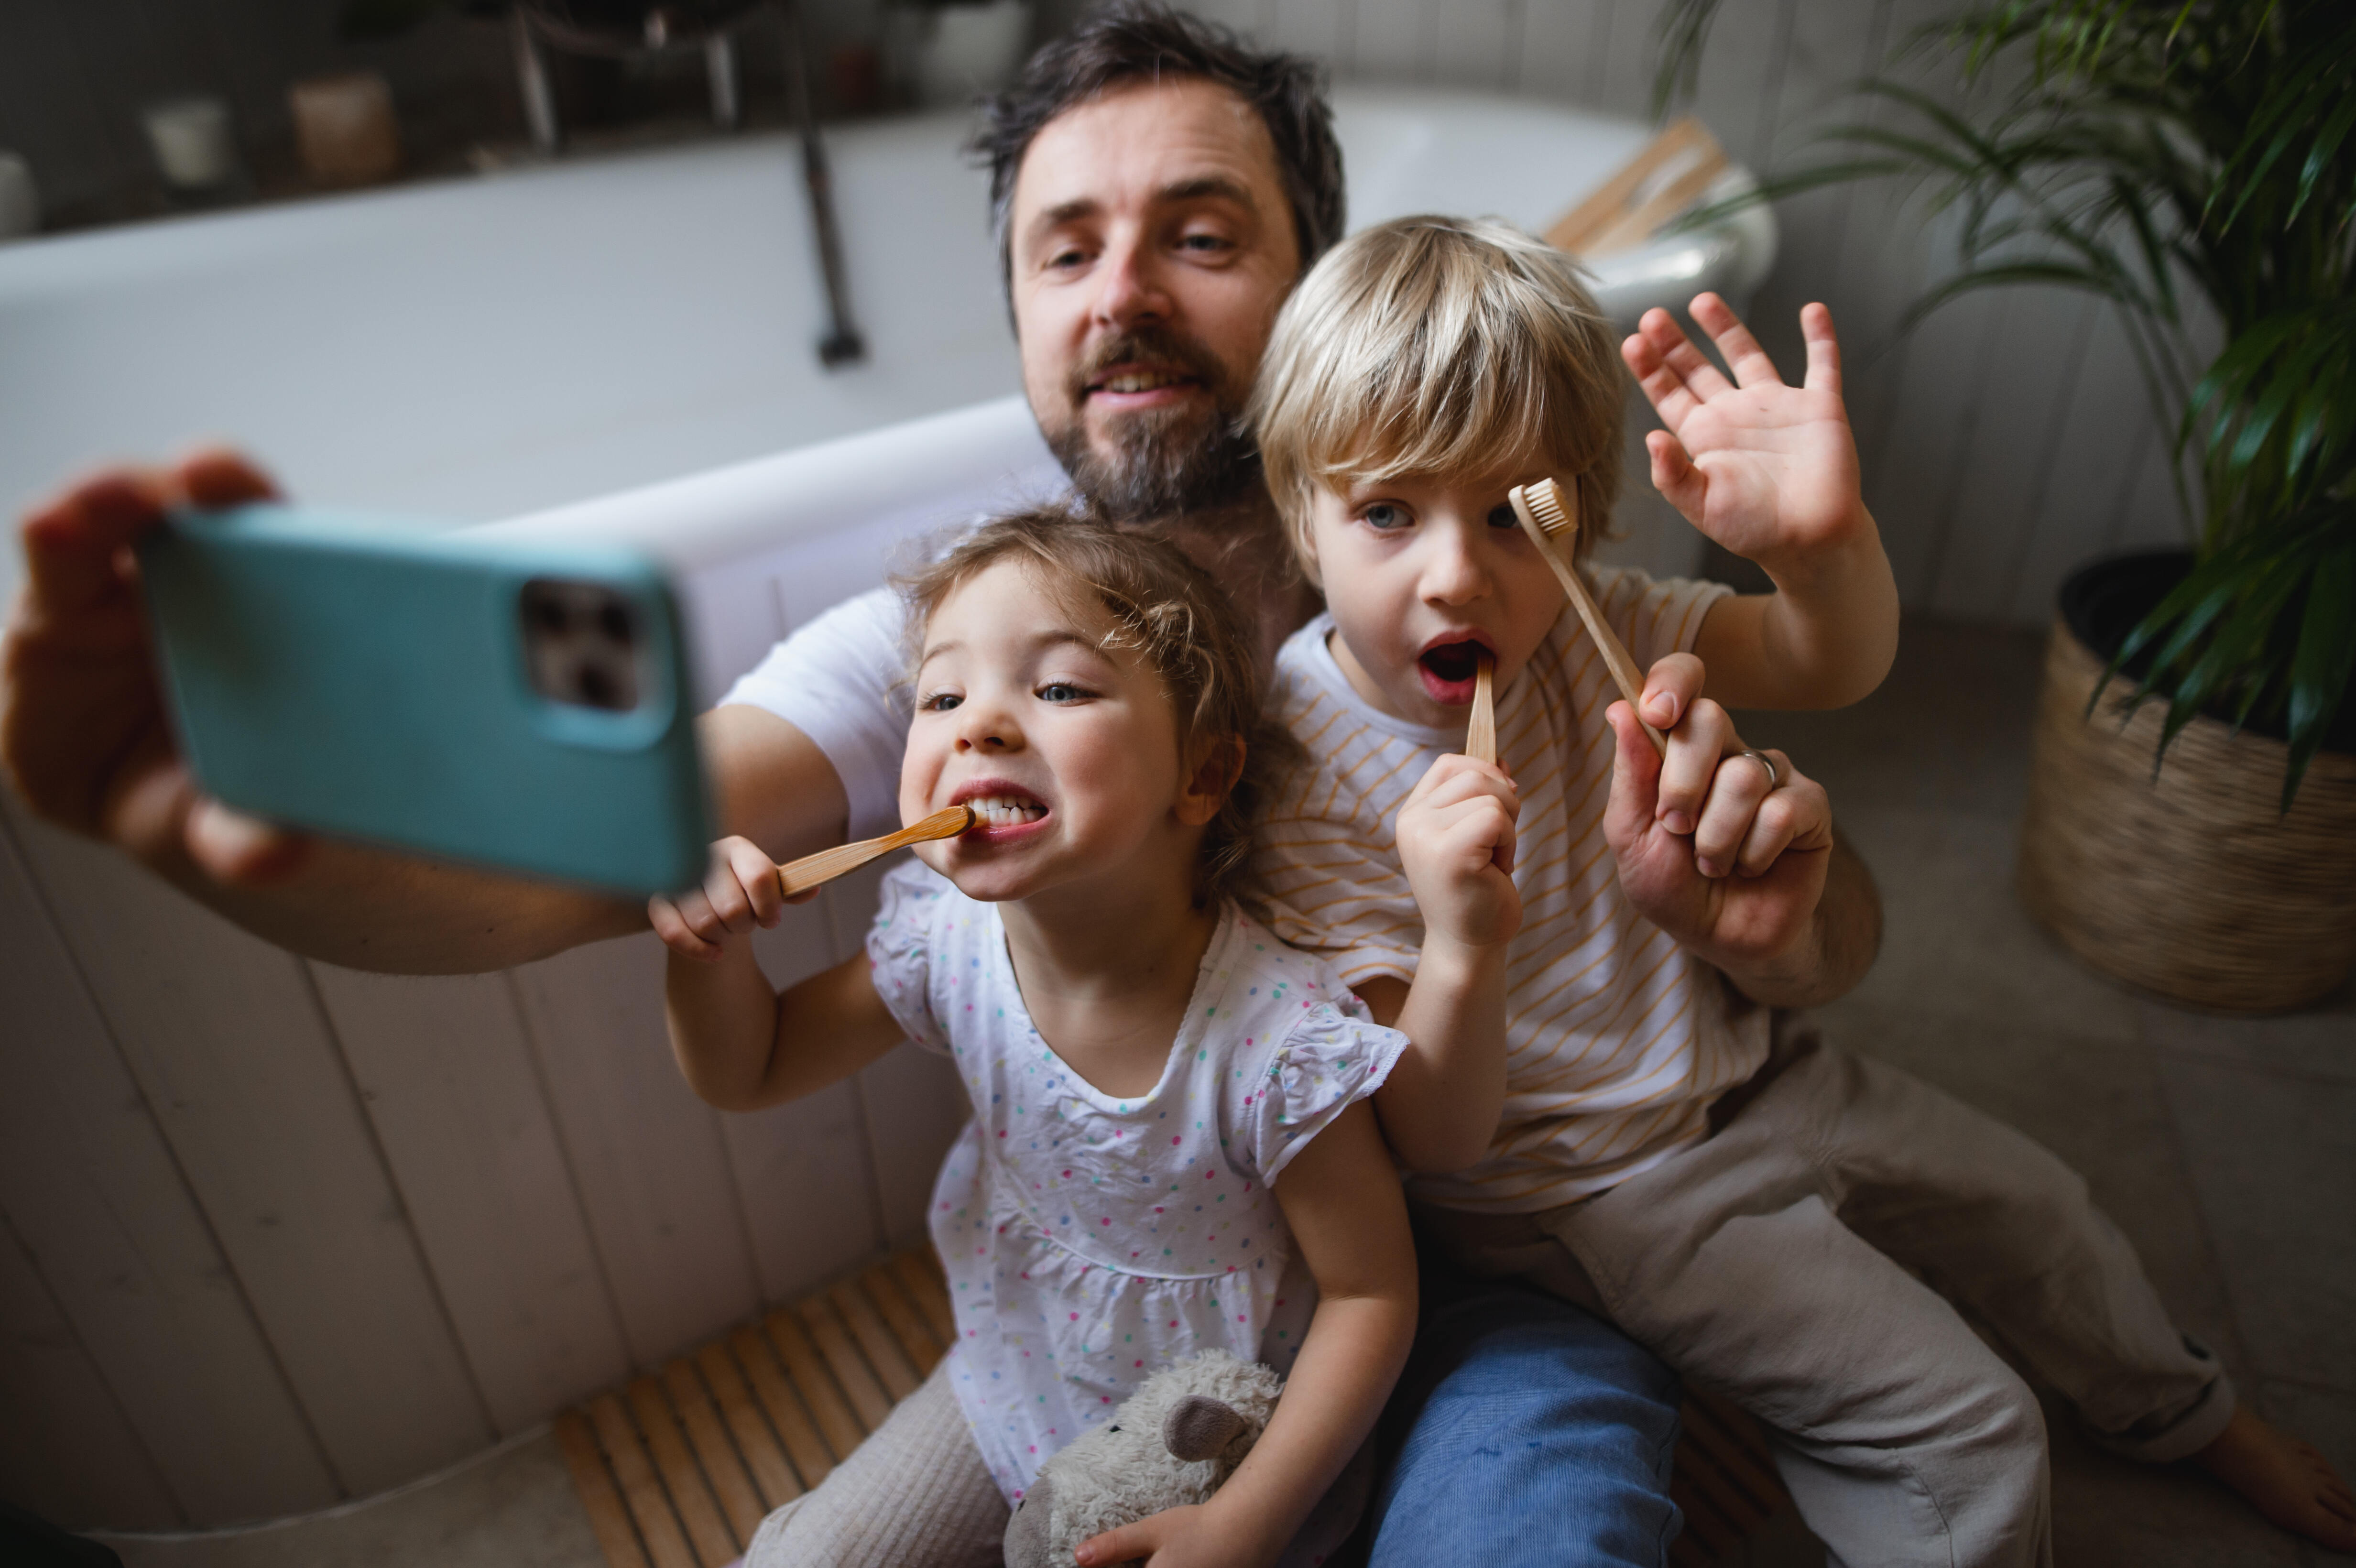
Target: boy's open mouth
<point>1448,669</point>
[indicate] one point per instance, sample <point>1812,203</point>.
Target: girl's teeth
<point>1003,811</point>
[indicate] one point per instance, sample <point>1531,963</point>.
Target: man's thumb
<point>1635,780</point>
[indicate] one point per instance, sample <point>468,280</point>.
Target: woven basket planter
<point>2193,884</point>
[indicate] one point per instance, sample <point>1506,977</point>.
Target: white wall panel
<point>66,1451</point>
<point>1561,52</point>
<point>97,1198</point>
<point>1388,40</point>
<point>806,1168</point>
<point>226,1038</point>
<point>447,1073</point>
<point>911,1100</point>
<point>2015,434</point>
<point>2100,444</point>
<point>647,1154</point>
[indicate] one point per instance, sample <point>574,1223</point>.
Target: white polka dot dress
<point>1092,1239</point>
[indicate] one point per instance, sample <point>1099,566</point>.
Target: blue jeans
<point>1525,1432</point>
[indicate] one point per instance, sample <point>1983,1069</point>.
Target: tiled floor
<point>2224,1148</point>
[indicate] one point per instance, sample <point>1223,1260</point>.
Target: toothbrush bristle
<point>1546,505</point>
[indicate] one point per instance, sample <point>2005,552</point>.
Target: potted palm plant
<point>2191,825</point>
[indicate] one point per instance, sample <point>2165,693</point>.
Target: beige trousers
<point>1777,1263</point>
<point>915,1495</point>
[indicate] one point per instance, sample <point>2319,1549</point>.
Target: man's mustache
<point>1162,348</point>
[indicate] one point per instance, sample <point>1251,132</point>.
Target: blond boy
<point>1598,1094</point>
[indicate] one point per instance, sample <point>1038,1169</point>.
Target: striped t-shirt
<point>1617,1038</point>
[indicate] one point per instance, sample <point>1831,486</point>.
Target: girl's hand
<point>1199,1534</point>
<point>1455,835</point>
<point>739,892</point>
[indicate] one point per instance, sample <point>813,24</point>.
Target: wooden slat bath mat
<point>676,1471</point>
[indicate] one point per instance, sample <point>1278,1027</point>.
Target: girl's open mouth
<point>1447,670</point>
<point>1000,811</point>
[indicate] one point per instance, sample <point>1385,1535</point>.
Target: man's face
<point>1150,246</point>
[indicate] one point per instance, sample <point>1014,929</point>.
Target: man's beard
<point>1159,463</point>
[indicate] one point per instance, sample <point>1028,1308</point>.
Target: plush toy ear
<point>1028,1537</point>
<point>1198,1426</point>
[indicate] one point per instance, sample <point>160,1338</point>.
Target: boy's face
<point>1421,573</point>
<point>1068,751</point>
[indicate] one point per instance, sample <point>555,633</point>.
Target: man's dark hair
<point>1131,39</point>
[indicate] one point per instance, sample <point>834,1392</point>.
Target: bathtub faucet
<point>843,344</point>
<point>618,27</point>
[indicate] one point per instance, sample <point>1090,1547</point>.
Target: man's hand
<point>1455,835</point>
<point>1767,470</point>
<point>83,734</point>
<point>1732,870</point>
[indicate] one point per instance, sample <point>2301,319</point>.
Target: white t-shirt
<point>841,679</point>
<point>1617,1038</point>
<point>1094,1238</point>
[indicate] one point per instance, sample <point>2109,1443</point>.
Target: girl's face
<point>1067,752</point>
<point>1422,574</point>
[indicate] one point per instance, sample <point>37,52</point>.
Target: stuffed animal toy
<point>1171,1443</point>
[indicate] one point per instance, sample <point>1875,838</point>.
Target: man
<point>1158,190</point>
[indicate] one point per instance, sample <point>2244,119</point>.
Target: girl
<point>1171,1148</point>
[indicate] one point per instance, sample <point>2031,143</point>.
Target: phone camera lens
<point>615,621</point>
<point>596,687</point>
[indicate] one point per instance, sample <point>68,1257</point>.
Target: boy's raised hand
<point>1455,835</point>
<point>1767,469</point>
<point>739,892</point>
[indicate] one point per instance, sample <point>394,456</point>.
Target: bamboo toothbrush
<point>1546,517</point>
<point>800,876</point>
<point>1481,734</point>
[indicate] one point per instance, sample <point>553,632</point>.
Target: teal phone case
<point>371,681</point>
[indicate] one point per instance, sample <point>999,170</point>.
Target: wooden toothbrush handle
<point>810,871</point>
<point>1481,732</point>
<point>1625,674</point>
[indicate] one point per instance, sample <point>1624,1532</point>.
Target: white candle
<point>192,142</point>
<point>21,205</point>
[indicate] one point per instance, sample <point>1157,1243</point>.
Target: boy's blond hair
<point>1439,346</point>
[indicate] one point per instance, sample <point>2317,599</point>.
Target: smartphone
<point>517,706</point>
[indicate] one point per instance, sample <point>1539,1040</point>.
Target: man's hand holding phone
<point>84,732</point>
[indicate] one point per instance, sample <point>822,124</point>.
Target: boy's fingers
<point>1681,484</point>
<point>1664,389</point>
<point>1749,362</point>
<point>1696,745</point>
<point>1823,350</point>
<point>1692,366</point>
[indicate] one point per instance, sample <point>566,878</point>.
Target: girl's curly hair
<point>1166,611</point>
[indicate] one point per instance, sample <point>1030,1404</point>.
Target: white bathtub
<point>276,1233</point>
